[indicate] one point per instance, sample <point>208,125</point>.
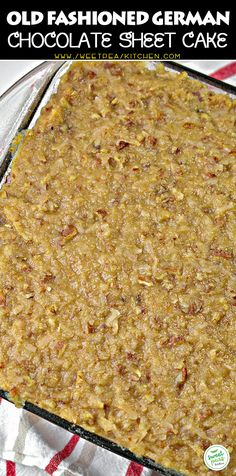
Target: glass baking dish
<point>20,107</point>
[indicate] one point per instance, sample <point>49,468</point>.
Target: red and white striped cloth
<point>30,446</point>
<point>221,69</point>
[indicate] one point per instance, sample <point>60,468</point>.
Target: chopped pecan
<point>112,162</point>
<point>198,95</point>
<point>91,329</point>
<point>122,144</point>
<point>148,376</point>
<point>91,74</point>
<point>157,321</point>
<point>97,160</point>
<point>117,71</point>
<point>189,125</point>
<point>131,356</point>
<point>194,308</point>
<point>223,253</point>
<point>2,299</point>
<point>101,212</point>
<point>152,140</point>
<point>205,139</point>
<point>210,175</point>
<point>121,369</point>
<point>173,340</point>
<point>108,65</point>
<point>205,444</point>
<point>129,123</point>
<point>71,74</point>
<point>14,392</point>
<point>48,278</point>
<point>205,413</point>
<point>182,378</point>
<point>26,268</point>
<point>184,373</point>
<point>59,345</point>
<point>133,103</point>
<point>160,116</point>
<point>69,232</point>
<point>220,221</point>
<point>106,409</point>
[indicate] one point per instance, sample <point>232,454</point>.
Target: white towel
<point>31,446</point>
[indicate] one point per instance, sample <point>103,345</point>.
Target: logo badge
<point>216,457</point>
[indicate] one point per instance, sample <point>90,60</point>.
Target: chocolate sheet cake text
<point>125,29</point>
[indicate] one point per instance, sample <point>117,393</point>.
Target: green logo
<point>216,457</point>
